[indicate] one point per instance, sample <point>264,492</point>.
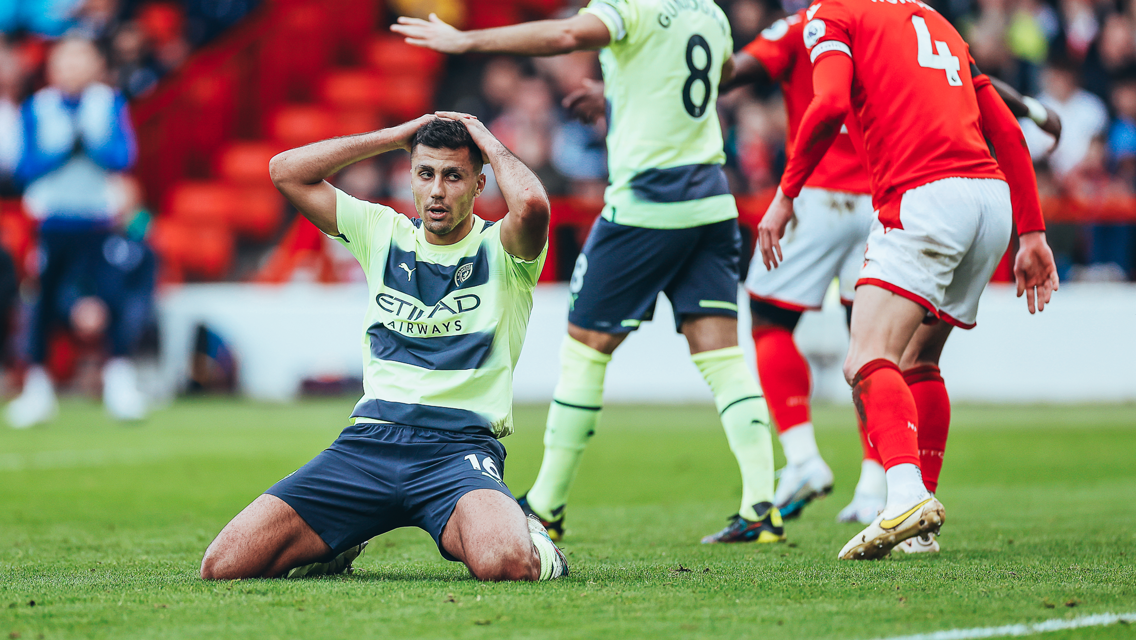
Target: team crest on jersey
<point>463,273</point>
<point>814,31</point>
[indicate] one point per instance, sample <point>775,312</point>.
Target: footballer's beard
<point>441,220</point>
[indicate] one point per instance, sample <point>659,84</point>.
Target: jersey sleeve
<point>773,49</point>
<point>356,220</point>
<point>522,274</point>
<point>828,31</point>
<point>619,16</point>
<point>977,78</point>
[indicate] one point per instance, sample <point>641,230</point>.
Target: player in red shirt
<point>922,114</point>
<point>826,241</point>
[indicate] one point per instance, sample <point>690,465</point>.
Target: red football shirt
<point>912,93</point>
<point>781,50</point>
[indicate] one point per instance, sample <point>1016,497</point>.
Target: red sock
<point>886,406</point>
<point>934,407</point>
<point>870,452</point>
<point>784,375</point>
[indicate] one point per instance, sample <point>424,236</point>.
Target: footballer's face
<point>445,182</point>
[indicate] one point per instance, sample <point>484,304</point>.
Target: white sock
<point>547,553</point>
<point>904,489</point>
<point>872,482</point>
<point>799,443</point>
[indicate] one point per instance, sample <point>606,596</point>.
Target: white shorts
<point>824,240</point>
<point>954,233</point>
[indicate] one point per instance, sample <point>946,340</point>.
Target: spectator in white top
<point>1083,117</point>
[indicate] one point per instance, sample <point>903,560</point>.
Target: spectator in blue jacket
<point>77,137</point>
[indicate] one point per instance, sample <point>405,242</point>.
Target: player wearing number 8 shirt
<point>669,225</point>
<point>944,214</point>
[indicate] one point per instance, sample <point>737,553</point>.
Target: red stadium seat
<point>296,126</point>
<point>246,163</point>
<point>213,203</point>
<point>258,212</point>
<point>352,89</point>
<point>204,251</point>
<point>393,57</point>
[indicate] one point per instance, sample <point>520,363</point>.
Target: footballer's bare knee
<point>605,343</point>
<point>264,540</point>
<point>509,563</point>
<point>710,333</point>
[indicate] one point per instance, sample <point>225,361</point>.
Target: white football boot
<point>36,404</point>
<point>800,484</point>
<point>863,509</point>
<point>880,537</point>
<point>925,543</point>
<point>121,397</point>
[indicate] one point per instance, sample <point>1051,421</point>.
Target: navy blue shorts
<point>622,270</point>
<point>379,477</point>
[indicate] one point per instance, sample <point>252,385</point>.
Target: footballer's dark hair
<point>441,133</point>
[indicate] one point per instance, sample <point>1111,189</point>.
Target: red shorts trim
<point>846,302</point>
<point>956,322</point>
<point>899,291</point>
<point>790,306</point>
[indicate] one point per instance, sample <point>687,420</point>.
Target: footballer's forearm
<point>1002,130</point>
<point>312,163</point>
<point>539,38</point>
<point>526,225</point>
<point>746,69</point>
<point>829,108</point>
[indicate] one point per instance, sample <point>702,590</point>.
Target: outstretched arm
<point>300,174</point>
<point>1027,107</point>
<point>524,231</point>
<point>832,100</point>
<point>539,38</point>
<point>747,69</point>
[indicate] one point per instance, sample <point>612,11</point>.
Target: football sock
<point>905,488</point>
<point>934,406</point>
<point>799,443</point>
<point>572,418</point>
<point>547,551</point>
<point>784,376</point>
<point>872,480</point>
<point>866,445</point>
<point>745,418</point>
<point>887,408</point>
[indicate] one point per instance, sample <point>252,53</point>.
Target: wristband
<point>1037,111</point>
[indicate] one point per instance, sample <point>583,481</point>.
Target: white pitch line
<point>1098,620</point>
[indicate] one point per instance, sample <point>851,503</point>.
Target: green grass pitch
<point>102,527</point>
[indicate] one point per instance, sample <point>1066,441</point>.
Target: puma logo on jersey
<point>408,270</point>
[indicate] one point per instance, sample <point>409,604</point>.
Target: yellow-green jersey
<point>664,143</point>
<point>444,324</point>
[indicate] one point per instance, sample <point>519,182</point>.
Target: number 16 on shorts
<point>487,467</point>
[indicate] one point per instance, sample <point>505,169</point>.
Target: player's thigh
<point>488,532</point>
<point>440,469</point>
<point>827,226</point>
<point>620,272</point>
<point>960,301</point>
<point>926,346</point>
<point>883,324</point>
<point>352,491</point>
<point>707,281</point>
<point>268,536</point>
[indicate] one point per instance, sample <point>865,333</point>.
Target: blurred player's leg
<point>871,490</point>
<point>745,418</point>
<point>784,374</point>
<point>572,419</point>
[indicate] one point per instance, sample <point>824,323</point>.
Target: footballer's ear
<point>480,185</point>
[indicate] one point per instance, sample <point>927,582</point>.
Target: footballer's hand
<point>407,130</point>
<point>588,104</point>
<point>772,228</point>
<point>1035,271</point>
<point>482,137</point>
<point>431,34</point>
